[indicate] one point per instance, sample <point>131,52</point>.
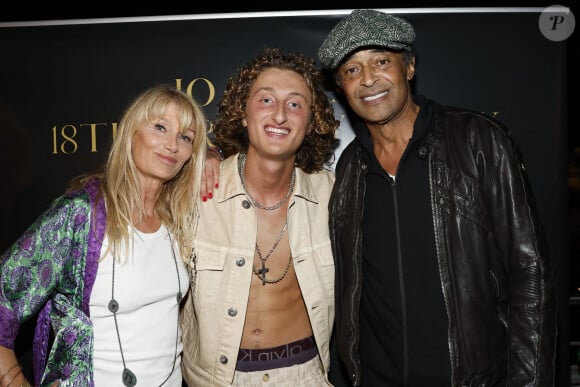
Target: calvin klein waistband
<point>285,355</point>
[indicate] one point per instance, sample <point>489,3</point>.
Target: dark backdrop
<point>64,85</point>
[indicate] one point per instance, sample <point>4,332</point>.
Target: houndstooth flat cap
<point>365,27</point>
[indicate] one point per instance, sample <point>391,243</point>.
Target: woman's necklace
<point>261,273</point>
<point>129,378</point>
<point>256,203</point>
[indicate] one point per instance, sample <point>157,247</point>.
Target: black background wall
<point>524,81</point>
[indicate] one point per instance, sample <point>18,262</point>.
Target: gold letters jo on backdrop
<point>65,138</point>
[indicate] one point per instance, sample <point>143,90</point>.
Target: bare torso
<point>276,312</point>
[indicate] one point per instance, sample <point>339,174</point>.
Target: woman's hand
<point>211,175</point>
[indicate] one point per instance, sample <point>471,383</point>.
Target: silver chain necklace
<point>129,378</point>
<point>256,203</point>
<point>261,273</point>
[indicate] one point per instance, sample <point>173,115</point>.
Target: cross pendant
<point>262,273</point>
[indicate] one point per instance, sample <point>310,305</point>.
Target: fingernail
<point>210,195</point>
<point>217,185</point>
<point>204,198</point>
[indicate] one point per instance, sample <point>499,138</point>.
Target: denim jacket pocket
<point>208,273</point>
<point>207,258</point>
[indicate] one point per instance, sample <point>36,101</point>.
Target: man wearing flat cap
<point>443,276</point>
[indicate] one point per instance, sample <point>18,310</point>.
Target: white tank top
<point>146,288</point>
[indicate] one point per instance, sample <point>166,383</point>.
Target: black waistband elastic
<point>282,356</point>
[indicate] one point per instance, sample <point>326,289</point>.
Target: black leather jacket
<point>490,246</point>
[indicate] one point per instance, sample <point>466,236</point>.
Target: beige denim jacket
<point>221,270</point>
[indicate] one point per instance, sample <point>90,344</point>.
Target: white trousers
<point>309,374</point>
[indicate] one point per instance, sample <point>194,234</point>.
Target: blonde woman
<point>103,265</point>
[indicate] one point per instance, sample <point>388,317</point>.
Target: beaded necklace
<point>261,273</point>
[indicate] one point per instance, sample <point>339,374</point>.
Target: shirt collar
<point>231,184</point>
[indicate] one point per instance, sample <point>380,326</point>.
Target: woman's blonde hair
<point>120,187</point>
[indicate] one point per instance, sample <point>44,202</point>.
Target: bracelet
<point>15,376</point>
<point>10,369</point>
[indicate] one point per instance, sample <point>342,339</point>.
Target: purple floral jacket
<point>49,272</point>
